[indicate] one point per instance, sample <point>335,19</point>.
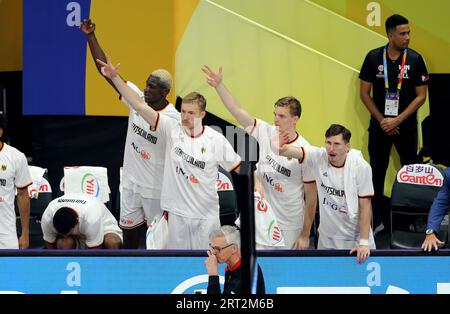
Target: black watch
<point>430,231</point>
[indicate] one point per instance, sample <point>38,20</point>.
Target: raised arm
<point>146,112</point>
<point>215,80</point>
<point>97,53</point>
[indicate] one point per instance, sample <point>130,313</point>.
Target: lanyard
<point>400,80</point>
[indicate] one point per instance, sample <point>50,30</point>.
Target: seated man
<point>79,221</point>
<point>226,248</point>
<point>440,207</point>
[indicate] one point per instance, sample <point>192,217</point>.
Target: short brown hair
<point>295,108</point>
<point>197,98</point>
<point>336,129</point>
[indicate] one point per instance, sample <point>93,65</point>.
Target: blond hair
<point>196,98</point>
<point>164,77</point>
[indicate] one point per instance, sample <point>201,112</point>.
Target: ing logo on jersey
<point>90,185</point>
<point>261,204</point>
<point>193,179</point>
<point>189,177</point>
<point>276,185</point>
<point>143,153</point>
<point>3,167</point>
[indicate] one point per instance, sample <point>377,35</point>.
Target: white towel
<point>352,164</point>
<point>37,175</point>
<point>88,180</point>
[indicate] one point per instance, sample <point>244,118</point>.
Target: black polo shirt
<point>233,281</point>
<point>416,74</point>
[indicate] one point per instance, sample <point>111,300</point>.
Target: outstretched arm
<point>215,80</point>
<point>279,146</point>
<point>111,72</point>
<point>97,53</point>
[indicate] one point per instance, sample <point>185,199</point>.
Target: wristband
<point>364,242</point>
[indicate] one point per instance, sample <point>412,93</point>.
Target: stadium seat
<point>413,193</point>
<point>88,180</point>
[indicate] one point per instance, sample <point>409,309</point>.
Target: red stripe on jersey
<point>304,155</point>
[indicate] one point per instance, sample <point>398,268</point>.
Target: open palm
<point>108,69</point>
<point>213,78</point>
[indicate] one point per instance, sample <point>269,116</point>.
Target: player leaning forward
<point>193,155</point>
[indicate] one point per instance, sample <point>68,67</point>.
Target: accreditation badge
<point>391,104</point>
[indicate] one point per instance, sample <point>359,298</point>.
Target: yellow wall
<point>138,36</point>
<point>144,39</point>
<point>266,58</point>
<point>10,35</point>
<point>430,25</point>
<point>309,49</point>
<point>430,35</point>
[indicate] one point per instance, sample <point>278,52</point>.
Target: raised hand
<point>213,78</point>
<point>211,264</point>
<point>87,26</point>
<point>108,69</point>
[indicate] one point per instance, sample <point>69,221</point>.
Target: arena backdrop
<point>269,49</point>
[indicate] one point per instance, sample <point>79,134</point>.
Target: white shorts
<point>290,236</point>
<point>9,242</point>
<point>135,209</point>
<point>329,243</point>
<point>190,233</point>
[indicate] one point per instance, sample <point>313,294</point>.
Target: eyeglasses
<point>218,248</point>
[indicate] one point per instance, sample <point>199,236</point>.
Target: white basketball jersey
<point>94,218</point>
<point>281,177</point>
<point>143,163</point>
<point>334,219</point>
<point>14,173</point>
<point>189,185</point>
